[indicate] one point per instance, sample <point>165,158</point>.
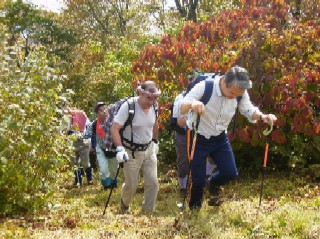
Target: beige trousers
<point>147,161</point>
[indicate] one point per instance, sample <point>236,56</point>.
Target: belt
<point>134,146</point>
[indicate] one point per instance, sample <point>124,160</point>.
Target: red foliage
<point>278,137</point>
<point>281,58</point>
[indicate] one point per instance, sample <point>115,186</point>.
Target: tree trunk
<point>187,9</point>
<point>192,13</point>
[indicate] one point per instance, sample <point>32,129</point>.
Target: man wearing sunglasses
<point>139,145</point>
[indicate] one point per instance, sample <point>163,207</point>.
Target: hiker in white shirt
<point>139,145</point>
<point>212,139</point>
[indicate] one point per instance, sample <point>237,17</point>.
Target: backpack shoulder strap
<point>239,98</point>
<point>156,109</point>
<point>208,89</point>
<point>93,133</point>
<point>131,111</point>
<point>94,126</point>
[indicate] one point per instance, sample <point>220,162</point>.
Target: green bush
<point>32,146</point>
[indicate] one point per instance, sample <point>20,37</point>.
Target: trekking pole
<point>190,158</point>
<point>120,165</point>
<point>265,133</point>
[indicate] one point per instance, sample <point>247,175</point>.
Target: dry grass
<point>290,209</point>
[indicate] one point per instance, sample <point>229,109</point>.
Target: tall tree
<point>187,9</point>
<point>36,27</point>
<point>108,20</point>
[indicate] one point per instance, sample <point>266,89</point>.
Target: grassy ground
<point>290,209</point>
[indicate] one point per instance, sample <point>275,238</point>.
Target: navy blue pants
<point>219,148</point>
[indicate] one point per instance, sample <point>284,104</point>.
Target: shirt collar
<point>217,86</point>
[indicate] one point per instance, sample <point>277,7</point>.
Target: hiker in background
<point>178,124</point>
<point>77,126</point>
<point>212,138</point>
<point>101,144</point>
<point>139,143</point>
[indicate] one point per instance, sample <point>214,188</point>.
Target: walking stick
<point>120,165</point>
<point>190,157</point>
<point>263,170</point>
<point>265,133</point>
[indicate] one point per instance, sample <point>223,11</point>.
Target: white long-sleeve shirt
<point>219,110</point>
<point>176,110</point>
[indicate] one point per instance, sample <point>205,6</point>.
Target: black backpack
<point>173,124</point>
<point>131,110</point>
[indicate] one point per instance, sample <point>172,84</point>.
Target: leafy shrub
<point>281,54</point>
<point>32,147</point>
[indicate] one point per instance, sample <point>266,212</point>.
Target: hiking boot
<point>77,185</point>
<point>124,208</point>
<point>214,201</point>
<point>89,175</point>
<point>107,183</point>
<point>183,192</point>
<point>90,182</point>
<point>214,191</point>
<point>112,185</point>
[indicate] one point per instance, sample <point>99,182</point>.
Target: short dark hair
<point>239,76</point>
<point>98,105</point>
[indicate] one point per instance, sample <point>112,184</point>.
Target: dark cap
<point>98,104</point>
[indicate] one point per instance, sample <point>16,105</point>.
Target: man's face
<point>232,91</point>
<point>150,100</point>
<point>102,112</point>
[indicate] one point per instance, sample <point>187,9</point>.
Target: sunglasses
<point>152,98</point>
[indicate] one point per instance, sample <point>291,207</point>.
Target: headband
<point>151,91</point>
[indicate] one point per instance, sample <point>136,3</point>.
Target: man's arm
<point>252,112</point>
<point>122,155</point>
<point>115,133</point>
<point>192,102</point>
<point>195,106</point>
